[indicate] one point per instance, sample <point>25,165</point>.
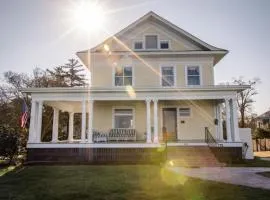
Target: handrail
<point>209,139</point>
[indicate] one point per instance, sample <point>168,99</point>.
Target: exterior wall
<point>202,115</point>
<point>193,128</point>
<point>176,42</point>
<point>146,70</point>
<point>103,114</point>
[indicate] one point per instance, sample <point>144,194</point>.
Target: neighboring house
<point>263,121</point>
<point>149,81</point>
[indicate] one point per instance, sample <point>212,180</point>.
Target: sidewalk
<point>234,175</point>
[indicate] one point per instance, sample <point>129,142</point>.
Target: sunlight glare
<point>89,16</point>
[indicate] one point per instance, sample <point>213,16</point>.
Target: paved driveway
<point>234,175</point>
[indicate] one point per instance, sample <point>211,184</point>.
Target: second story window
<point>151,42</point>
<point>193,75</point>
<point>168,76</point>
<point>123,76</point>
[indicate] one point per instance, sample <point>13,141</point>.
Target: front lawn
<point>115,182</point>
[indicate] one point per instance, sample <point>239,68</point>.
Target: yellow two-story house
<point>152,87</point>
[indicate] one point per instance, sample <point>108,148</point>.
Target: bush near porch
<point>115,182</point>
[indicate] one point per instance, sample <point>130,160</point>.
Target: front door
<point>169,123</point>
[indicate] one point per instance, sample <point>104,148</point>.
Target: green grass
<point>115,182</point>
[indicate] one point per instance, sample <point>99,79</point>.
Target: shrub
<point>9,143</point>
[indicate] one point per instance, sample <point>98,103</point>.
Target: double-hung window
<point>123,118</point>
<point>167,76</point>
<point>193,75</point>
<point>123,76</point>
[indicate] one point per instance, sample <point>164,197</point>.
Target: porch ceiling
<point>65,106</point>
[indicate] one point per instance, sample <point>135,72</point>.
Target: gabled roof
<point>160,19</point>
<point>265,115</point>
<point>220,53</point>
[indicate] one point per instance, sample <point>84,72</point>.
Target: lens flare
<point>131,92</point>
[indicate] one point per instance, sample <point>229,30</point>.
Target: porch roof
<point>219,88</point>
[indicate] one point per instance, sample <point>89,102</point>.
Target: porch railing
<point>209,139</point>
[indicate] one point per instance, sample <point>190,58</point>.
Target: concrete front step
<point>192,157</point>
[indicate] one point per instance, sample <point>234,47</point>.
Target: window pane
<point>123,122</point>
<point>151,42</point>
<point>127,71</point>
<point>193,80</point>
<point>184,112</point>
<point>118,81</point>
<point>123,111</point>
<point>167,70</point>
<point>193,70</point>
<point>128,81</point>
<point>168,81</point>
<point>138,45</point>
<point>164,45</point>
<point>119,71</point>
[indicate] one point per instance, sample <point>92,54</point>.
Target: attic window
<point>164,44</point>
<point>151,42</point>
<point>138,45</point>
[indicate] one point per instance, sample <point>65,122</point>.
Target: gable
<point>176,41</point>
<point>179,40</point>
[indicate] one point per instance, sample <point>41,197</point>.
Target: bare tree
<point>245,98</point>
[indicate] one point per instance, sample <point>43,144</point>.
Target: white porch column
<point>148,121</point>
<point>228,120</point>
<point>220,125</point>
<point>70,126</point>
<point>55,125</point>
<point>90,120</point>
<point>83,121</point>
<point>39,121</point>
<point>235,120</point>
<point>32,130</point>
<point>156,121</point>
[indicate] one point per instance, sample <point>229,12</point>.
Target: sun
<point>89,16</point>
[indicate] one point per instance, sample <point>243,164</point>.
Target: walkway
<point>234,175</point>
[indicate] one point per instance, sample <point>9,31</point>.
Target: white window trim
<point>124,107</point>
<point>184,117</point>
<point>174,72</point>
<point>144,41</point>
<point>186,75</point>
<point>113,77</point>
<point>169,44</point>
<point>138,41</point>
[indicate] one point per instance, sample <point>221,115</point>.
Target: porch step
<point>193,157</point>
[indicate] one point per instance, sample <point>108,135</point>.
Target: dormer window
<point>138,45</point>
<point>151,42</point>
<point>164,44</point>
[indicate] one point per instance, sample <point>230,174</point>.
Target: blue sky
<point>36,33</point>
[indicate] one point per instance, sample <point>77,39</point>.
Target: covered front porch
<point>149,122</point>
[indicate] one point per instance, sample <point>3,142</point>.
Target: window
<point>123,118</point>
<point>164,44</point>
<point>193,75</point>
<point>151,42</point>
<point>123,76</point>
<point>184,112</point>
<point>138,45</point>
<point>168,76</point>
